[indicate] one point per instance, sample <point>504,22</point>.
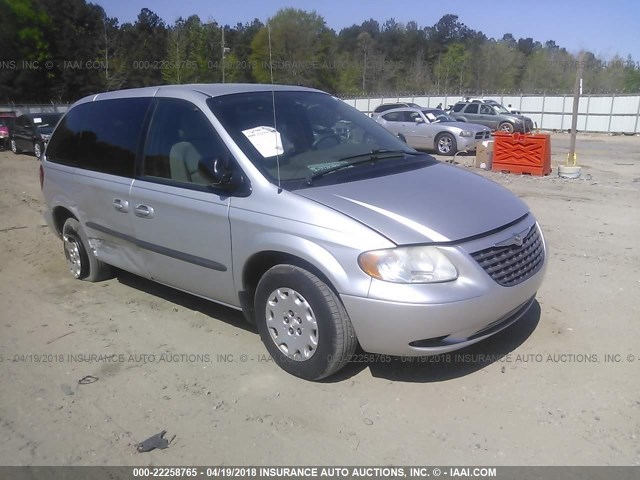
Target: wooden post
<point>574,114</point>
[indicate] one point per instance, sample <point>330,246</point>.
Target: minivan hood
<point>438,203</point>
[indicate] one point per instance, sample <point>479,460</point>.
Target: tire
<point>37,150</point>
<point>446,144</point>
<point>323,342</point>
<point>506,127</point>
<point>81,260</point>
<point>14,147</point>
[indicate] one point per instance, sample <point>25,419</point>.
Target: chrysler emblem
<point>516,239</point>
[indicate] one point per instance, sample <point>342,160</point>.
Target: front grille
<point>512,264</point>
<point>483,135</point>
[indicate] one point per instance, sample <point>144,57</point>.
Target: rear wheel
<point>446,144</point>
<point>14,147</point>
<point>302,323</point>
<point>81,260</point>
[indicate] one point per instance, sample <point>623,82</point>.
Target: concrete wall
<point>596,113</point>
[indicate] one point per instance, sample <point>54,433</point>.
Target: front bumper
<point>467,143</point>
<point>441,318</point>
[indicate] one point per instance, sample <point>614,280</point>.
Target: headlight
<point>408,265</point>
<point>466,133</point>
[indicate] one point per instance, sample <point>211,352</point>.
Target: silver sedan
<point>433,129</point>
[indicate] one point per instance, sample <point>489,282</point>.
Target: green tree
<point>452,69</point>
<point>144,46</point>
<point>302,48</point>
<point>23,39</point>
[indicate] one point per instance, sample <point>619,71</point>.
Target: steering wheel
<point>326,141</point>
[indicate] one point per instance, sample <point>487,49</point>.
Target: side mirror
<point>418,120</point>
<point>215,172</point>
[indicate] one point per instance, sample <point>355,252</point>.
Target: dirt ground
<point>561,387</point>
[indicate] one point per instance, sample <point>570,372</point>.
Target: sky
<point>603,27</point>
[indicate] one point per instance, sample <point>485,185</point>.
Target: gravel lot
<point>560,387</point>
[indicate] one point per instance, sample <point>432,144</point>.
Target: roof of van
<point>209,89</point>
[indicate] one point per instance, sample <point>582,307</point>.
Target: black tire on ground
<point>90,268</point>
<point>446,144</point>
<point>37,150</point>
<point>14,147</point>
<point>336,339</point>
<point>506,127</point>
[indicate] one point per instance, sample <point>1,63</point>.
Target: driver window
<point>179,137</point>
<point>413,116</point>
<point>486,110</point>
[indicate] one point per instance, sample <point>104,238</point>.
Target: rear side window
<point>394,117</point>
<point>23,121</point>
<point>101,136</point>
<point>458,107</point>
<point>472,108</point>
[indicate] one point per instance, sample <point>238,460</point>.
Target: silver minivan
<point>326,230</point>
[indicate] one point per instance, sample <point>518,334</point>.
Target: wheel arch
<point>330,272</point>
<point>60,215</point>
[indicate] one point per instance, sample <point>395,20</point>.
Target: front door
<point>488,116</point>
<point>180,221</point>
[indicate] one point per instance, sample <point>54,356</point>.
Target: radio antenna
<point>273,100</point>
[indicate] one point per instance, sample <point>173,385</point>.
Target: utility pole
<point>225,50</point>
<point>577,91</point>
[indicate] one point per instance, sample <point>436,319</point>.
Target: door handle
<point>144,211</point>
<point>120,205</point>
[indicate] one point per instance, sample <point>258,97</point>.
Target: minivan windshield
<point>310,133</point>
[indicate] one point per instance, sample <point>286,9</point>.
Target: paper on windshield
<point>320,167</point>
<point>37,120</point>
<point>430,116</point>
<point>267,140</point>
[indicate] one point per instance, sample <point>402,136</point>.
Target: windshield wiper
<point>371,157</point>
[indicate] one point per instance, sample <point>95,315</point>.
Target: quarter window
<point>101,136</point>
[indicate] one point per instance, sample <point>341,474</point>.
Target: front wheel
<point>303,323</point>
<point>446,144</point>
<point>14,147</point>
<point>81,260</point>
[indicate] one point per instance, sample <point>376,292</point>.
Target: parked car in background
<point>31,132</point>
<point>389,106</point>
<point>494,103</point>
<point>6,123</point>
<point>432,129</point>
<point>493,116</point>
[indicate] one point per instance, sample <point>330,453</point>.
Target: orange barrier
<point>522,153</point>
